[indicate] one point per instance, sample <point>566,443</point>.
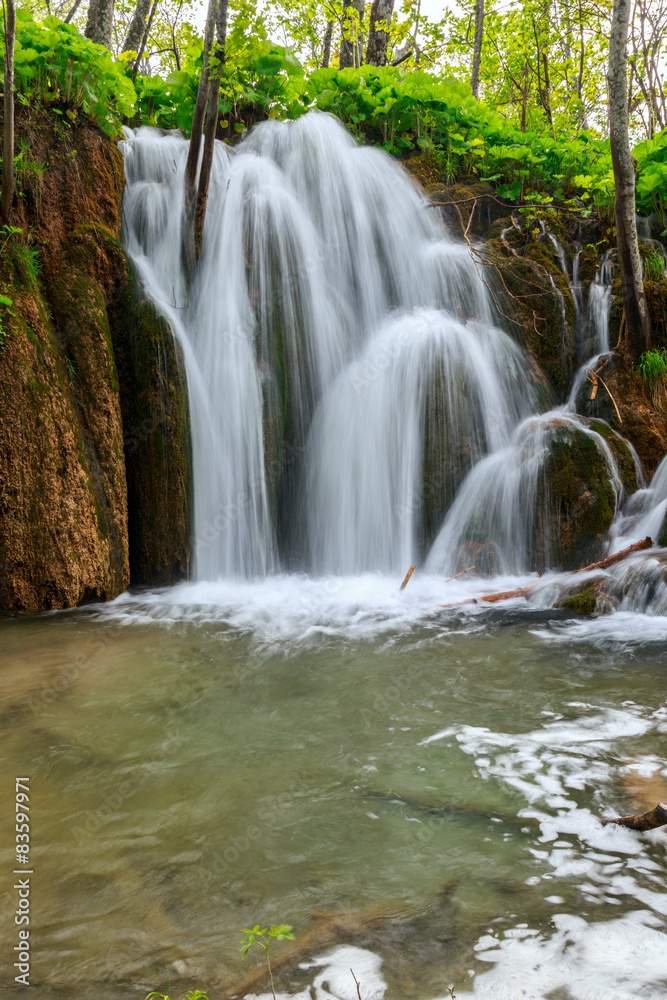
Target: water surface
<point>220,755</point>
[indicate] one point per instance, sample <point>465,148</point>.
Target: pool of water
<point>415,789</point>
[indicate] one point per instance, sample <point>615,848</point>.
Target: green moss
<point>582,603</point>
<point>621,452</point>
<point>156,435</point>
<point>656,297</point>
<point>576,501</point>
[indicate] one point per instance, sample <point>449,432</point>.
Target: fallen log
<point>642,821</point>
<point>332,928</point>
<point>645,543</point>
<point>506,595</point>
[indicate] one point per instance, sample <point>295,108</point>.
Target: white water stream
<point>353,407</point>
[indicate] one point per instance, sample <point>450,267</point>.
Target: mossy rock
<point>656,299</point>
<point>588,263</point>
<point>468,202</point>
<point>583,601</point>
<point>621,450</point>
<point>539,319</point>
<point>576,501</point>
<point>156,436</point>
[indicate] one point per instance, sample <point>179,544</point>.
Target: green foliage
<point>190,995</point>
<point>651,157</point>
<point>553,157</point>
<point>652,366</point>
<point>420,111</point>
<point>257,78</point>
<point>654,266</point>
<point>5,308</point>
<point>264,937</point>
<point>57,65</point>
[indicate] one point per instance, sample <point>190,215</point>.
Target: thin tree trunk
<point>72,11</point>
<point>477,46</point>
<point>135,32</point>
<point>7,194</point>
<point>524,96</point>
<point>378,32</point>
<point>144,40</point>
<point>212,115</point>
<point>100,22</point>
<point>352,42</point>
<point>636,314</point>
<point>326,51</point>
<point>192,163</point>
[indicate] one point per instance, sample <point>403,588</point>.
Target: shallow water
<point>220,755</point>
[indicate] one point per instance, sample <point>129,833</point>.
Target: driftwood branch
<point>642,821</point>
<point>645,543</point>
<point>506,595</point>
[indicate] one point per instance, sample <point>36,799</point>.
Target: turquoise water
<point>334,755</point>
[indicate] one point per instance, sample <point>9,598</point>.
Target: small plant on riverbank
<point>190,995</point>
<point>264,937</point>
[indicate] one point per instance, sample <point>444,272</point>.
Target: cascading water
<point>499,520</point>
<point>329,360</point>
<point>350,396</point>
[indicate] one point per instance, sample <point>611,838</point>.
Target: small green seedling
<point>190,995</point>
<point>264,938</point>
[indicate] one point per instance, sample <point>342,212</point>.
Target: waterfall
<point>499,519</point>
<point>336,343</point>
<point>399,429</point>
<point>351,398</point>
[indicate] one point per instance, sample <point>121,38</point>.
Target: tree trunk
<point>72,11</point>
<point>378,32</point>
<point>7,195</point>
<point>326,51</point>
<point>137,25</point>
<point>212,115</point>
<point>352,42</point>
<point>477,46</point>
<point>100,22</point>
<point>634,304</point>
<point>524,96</point>
<point>188,238</point>
<point>144,40</point>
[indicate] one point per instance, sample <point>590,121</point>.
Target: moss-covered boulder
<point>578,493</point>
<point>535,306</point>
<point>156,437</point>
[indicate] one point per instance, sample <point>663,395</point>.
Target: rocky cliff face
<point>68,426</point>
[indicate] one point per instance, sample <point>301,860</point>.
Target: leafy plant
<point>57,65</point>
<point>654,266</point>
<point>190,995</point>
<point>264,938</point>
<point>652,366</point>
<point>5,303</point>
